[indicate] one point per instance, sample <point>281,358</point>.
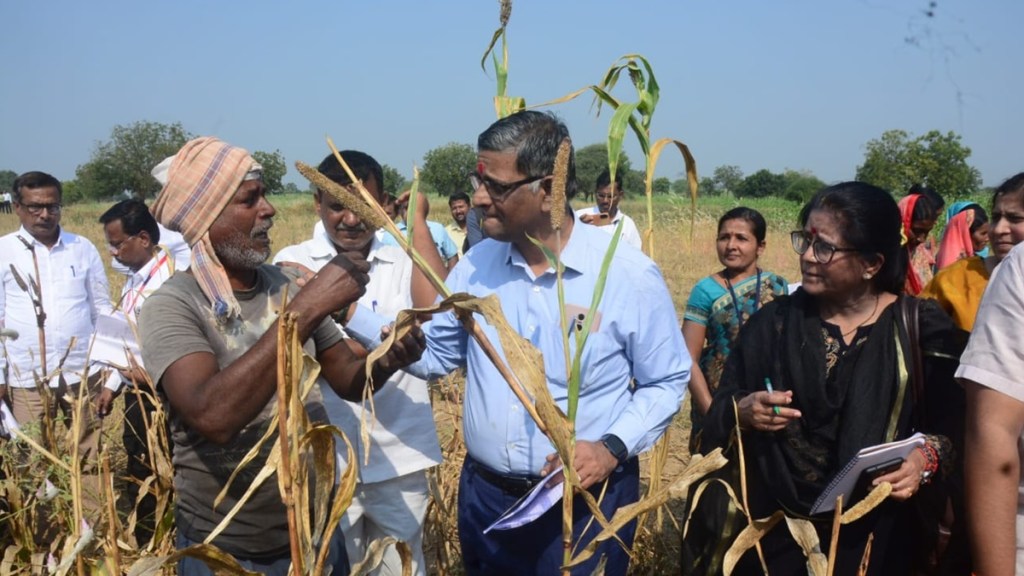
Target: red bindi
<point>479,167</point>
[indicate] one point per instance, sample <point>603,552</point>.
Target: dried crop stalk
<point>363,202</point>
<point>285,333</point>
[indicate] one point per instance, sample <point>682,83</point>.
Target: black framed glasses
<point>823,251</point>
<point>37,209</point>
<point>498,191</point>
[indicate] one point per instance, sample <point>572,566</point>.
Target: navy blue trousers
<point>536,548</point>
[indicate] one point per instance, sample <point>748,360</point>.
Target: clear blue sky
<point>778,84</point>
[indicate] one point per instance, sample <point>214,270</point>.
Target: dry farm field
<point>684,258</point>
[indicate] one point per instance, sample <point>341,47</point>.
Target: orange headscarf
<point>201,181</point>
<point>914,282</point>
<point>956,240</point>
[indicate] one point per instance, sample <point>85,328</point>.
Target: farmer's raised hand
<point>341,282</point>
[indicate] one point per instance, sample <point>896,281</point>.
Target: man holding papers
<point>634,367</point>
<point>52,289</point>
<point>132,238</point>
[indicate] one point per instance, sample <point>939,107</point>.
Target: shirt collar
<point>323,247</point>
<point>148,267</point>
<point>573,255</point>
<point>62,237</point>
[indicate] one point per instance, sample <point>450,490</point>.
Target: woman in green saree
<point>720,303</point>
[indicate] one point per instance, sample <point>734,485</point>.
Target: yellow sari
<point>958,289</point>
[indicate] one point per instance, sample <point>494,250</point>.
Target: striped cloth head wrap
<point>200,181</point>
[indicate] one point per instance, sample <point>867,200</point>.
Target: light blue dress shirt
<point>637,339</point>
<point>445,246</point>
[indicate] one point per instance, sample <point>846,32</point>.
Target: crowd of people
<point>867,347</point>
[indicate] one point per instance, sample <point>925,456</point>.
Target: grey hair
<point>534,137</point>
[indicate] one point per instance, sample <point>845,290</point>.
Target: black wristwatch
<point>616,446</point>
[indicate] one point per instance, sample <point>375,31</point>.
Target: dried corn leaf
<point>266,472</point>
<point>526,364</point>
<point>525,361</point>
<point>698,467</point>
<point>405,555</point>
<point>877,495</point>
<point>317,448</point>
<point>346,488</point>
<point>688,159</point>
<point>807,537</point>
<point>374,556</point>
<point>748,538</point>
<point>217,560</point>
<point>691,180</point>
<point>865,559</point>
<point>319,442</point>
<point>311,369</point>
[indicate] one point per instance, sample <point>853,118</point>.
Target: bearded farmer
<point>209,341</point>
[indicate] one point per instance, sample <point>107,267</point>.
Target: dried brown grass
<point>683,261</point>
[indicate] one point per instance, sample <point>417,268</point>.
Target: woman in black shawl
<point>838,356</point>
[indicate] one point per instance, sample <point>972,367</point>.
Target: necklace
<point>735,301</point>
<point>859,326</point>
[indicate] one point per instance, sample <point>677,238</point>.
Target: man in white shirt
<point>132,237</point>
<point>606,215</point>
<point>52,289</point>
<point>391,496</point>
<point>171,242</point>
<point>990,370</point>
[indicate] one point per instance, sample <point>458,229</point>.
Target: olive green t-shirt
<point>178,320</point>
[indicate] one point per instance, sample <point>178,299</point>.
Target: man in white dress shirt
<point>391,496</point>
<point>52,289</point>
<point>133,238</point>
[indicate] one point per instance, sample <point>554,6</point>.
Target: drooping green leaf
<point>616,134</point>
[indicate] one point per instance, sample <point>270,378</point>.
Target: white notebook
<point>846,480</point>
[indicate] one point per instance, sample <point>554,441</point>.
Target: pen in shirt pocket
<point>374,305</point>
<point>72,271</point>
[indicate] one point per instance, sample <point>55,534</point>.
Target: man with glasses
<point>52,289</point>
<point>634,370</point>
<point>606,215</point>
<point>133,238</point>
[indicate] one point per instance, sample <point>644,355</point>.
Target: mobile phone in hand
<point>883,468</point>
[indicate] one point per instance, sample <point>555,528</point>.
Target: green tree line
<point>895,161</point>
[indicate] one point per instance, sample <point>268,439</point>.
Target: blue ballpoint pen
<point>768,385</point>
